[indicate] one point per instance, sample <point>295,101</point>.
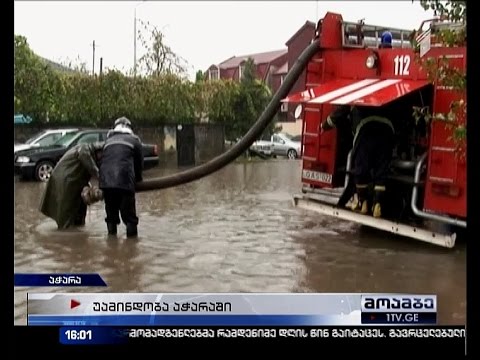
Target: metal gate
<point>185,145</point>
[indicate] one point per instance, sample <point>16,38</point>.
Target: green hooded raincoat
<point>62,199</point>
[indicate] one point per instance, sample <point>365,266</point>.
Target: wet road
<point>234,231</point>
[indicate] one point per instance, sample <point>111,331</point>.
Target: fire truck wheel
<point>291,154</point>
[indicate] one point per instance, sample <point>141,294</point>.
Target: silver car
<point>283,145</point>
<point>263,147</point>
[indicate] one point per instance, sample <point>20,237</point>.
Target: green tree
<point>199,76</point>
<point>216,100</point>
<point>76,65</point>
<point>78,98</point>
<point>250,101</point>
<point>34,83</point>
<point>159,58</point>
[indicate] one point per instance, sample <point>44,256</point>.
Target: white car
<point>262,147</point>
<point>284,145</point>
<point>43,138</point>
<point>280,144</point>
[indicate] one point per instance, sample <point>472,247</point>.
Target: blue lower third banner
<point>252,309</point>
<point>58,280</point>
<point>194,320</point>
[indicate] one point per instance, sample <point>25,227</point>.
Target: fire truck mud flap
<point>311,202</point>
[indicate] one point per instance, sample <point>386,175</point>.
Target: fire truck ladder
<point>429,37</point>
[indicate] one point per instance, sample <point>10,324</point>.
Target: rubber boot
<point>132,230</point>
<point>79,221</point>
<point>361,203</point>
<point>377,201</point>
<point>112,228</point>
<point>81,215</point>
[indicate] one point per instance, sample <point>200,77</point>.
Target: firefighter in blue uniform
<point>371,153</point>
<point>121,168</point>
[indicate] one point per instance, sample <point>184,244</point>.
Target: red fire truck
<point>427,181</point>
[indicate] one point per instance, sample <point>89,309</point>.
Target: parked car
<point>280,144</point>
<point>37,163</point>
<point>262,147</point>
<point>43,138</point>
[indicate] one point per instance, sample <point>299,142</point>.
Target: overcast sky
<point>203,33</point>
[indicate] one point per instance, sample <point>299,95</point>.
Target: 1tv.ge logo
<point>402,303</point>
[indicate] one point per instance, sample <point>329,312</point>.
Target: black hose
<point>250,137</point>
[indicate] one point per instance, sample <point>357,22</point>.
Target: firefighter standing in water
<point>372,151</point>
<point>121,168</point>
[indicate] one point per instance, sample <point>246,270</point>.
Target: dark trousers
<point>81,214</point>
<point>373,154</point>
<point>120,202</point>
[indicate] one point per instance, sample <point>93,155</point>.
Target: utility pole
<point>135,38</point>
<point>101,89</point>
<point>135,43</point>
<point>94,46</point>
<point>93,64</point>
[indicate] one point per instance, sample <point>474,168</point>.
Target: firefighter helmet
<point>123,121</point>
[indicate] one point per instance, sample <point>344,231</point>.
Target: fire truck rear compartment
<point>411,140</point>
<point>406,180</point>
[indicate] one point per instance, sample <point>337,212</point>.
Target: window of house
<point>282,79</point>
<point>241,71</point>
<point>213,74</point>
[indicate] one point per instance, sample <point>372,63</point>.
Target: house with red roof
<point>266,63</point>
<point>271,68</point>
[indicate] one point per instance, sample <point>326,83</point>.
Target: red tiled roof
<point>259,58</point>
<point>307,24</point>
<point>282,69</point>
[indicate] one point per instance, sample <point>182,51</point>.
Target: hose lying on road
<point>250,137</point>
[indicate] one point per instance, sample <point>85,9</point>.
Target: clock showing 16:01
<point>94,335</point>
<point>75,335</point>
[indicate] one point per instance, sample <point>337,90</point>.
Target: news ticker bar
<point>123,335</point>
<point>47,280</point>
<point>200,309</point>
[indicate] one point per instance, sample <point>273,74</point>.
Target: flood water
<point>234,231</point>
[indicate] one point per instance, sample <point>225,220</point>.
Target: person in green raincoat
<point>62,199</point>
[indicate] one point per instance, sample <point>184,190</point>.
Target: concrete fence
<point>209,139</point>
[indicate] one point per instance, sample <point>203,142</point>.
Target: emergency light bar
<point>370,35</point>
